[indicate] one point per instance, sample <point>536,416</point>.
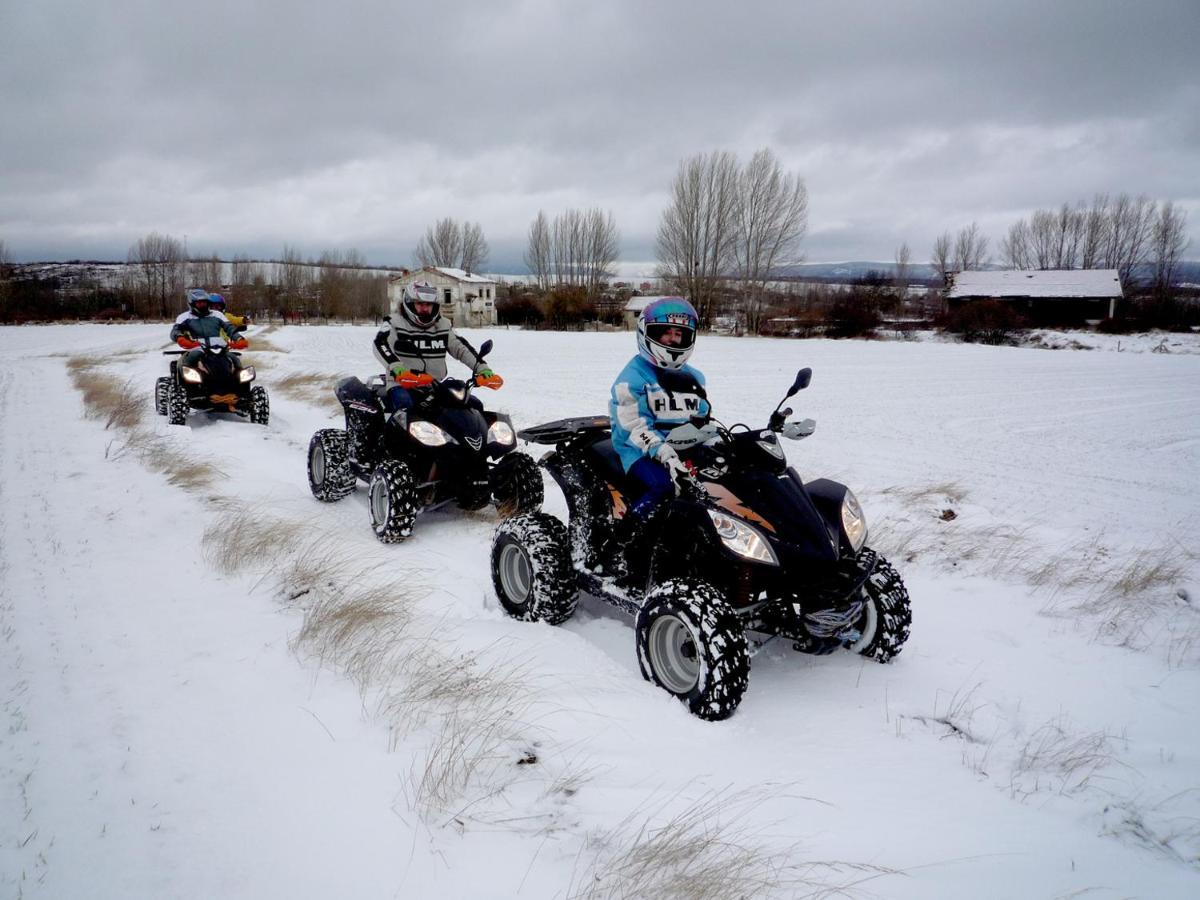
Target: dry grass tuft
<point>239,539</point>
<point>707,852</point>
<point>1158,827</point>
<point>315,388</point>
<point>124,409</point>
<point>472,743</point>
<point>1056,759</point>
<point>181,469</point>
<point>120,405</point>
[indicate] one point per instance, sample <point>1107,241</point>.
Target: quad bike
<point>217,382</point>
<point>445,448</point>
<point>745,553</point>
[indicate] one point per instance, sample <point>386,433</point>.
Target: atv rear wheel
<point>260,405</point>
<point>162,389</point>
<point>329,475</point>
<point>691,644</point>
<point>392,501</point>
<point>531,569</point>
<point>517,485</point>
<point>885,622</point>
<point>177,405</point>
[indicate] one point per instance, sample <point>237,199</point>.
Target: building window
<point>446,298</point>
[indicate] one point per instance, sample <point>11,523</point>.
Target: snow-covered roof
<point>1048,283</point>
<point>637,304</point>
<point>461,275</point>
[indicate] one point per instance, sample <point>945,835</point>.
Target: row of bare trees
<point>577,250</point>
<point>961,252</point>
<point>335,284</point>
<point>1122,233</point>
<point>726,219</point>
<point>453,244</point>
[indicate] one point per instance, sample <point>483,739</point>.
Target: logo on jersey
<point>668,406</point>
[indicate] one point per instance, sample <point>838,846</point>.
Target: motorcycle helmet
<point>666,332</point>
<point>420,292</point>
<point>217,302</point>
<point>199,302</point>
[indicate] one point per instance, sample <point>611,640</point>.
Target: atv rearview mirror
<point>803,377</point>
<point>486,348</point>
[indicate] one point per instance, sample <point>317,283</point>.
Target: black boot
<point>626,553</point>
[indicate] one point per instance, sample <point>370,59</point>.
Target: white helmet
<point>420,292</point>
<point>667,313</point>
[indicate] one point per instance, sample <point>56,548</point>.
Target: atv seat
<point>608,465</point>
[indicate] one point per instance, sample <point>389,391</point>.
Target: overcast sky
<point>247,125</point>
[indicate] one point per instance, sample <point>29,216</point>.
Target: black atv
<point>218,382</point>
<point>746,553</point>
<point>445,448</point>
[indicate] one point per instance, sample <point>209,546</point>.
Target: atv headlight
<point>853,521</point>
<point>427,433</point>
<point>744,540</point>
<point>501,433</point>
<point>191,375</point>
<point>246,374</point>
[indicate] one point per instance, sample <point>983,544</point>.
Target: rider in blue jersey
<point>655,392</point>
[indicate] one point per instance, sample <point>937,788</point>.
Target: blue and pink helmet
<point>656,319</point>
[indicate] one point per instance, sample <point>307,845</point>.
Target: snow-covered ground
<point>183,721</point>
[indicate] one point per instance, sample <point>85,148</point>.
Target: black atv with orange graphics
<point>745,553</point>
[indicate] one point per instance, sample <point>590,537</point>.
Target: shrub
<point>853,316</point>
<point>984,322</point>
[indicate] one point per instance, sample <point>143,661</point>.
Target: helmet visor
<point>669,334</point>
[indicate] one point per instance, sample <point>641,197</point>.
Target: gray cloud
<point>356,124</point>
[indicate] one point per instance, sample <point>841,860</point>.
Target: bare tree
<point>1094,237</point>
<point>475,249</point>
<point>1014,249</point>
<point>537,255</point>
<point>770,219</point>
<point>941,255</point>
<point>1131,223</point>
<point>583,246</point>
<point>1169,242</point>
<point>970,248</point>
<point>903,273</point>
<point>441,245</point>
<point>160,264</point>
<point>294,277</point>
<point>696,234</point>
<point>601,246</point>
<point>206,272</point>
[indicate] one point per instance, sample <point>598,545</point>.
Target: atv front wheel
<point>517,485</point>
<point>162,389</point>
<point>531,569</point>
<point>691,644</point>
<point>392,501</point>
<point>329,475</point>
<point>260,405</point>
<point>887,618</point>
<point>177,405</point>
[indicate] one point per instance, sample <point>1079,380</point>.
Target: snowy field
<point>302,712</point>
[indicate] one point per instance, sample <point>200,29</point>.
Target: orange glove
<point>488,379</point>
<point>239,344</point>
<point>409,380</point>
<point>186,342</point>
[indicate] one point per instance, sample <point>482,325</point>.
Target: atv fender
<point>352,392</point>
<point>827,497</point>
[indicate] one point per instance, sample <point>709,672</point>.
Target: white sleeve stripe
<point>630,419</point>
